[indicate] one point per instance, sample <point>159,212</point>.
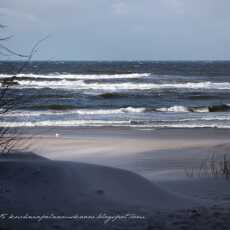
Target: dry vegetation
<point>214,166</point>
<point>8,100</point>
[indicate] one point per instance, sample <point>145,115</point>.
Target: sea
<point>138,94</point>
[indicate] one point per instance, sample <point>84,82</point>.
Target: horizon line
<point>134,60</point>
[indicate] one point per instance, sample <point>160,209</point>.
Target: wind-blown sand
<point>55,181</point>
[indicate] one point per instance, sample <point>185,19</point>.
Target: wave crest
<point>82,85</point>
<point>77,76</point>
<point>202,109</point>
<point>176,108</point>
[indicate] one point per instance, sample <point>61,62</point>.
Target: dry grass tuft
<point>214,166</point>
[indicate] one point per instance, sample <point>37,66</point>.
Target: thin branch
<point>6,38</point>
<point>12,52</point>
<point>32,52</point>
<point>8,101</point>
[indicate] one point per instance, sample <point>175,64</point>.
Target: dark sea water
<point>135,94</point>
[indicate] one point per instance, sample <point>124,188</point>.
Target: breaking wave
<point>68,123</point>
<point>175,108</point>
<point>54,77</point>
<point>81,84</point>
<point>202,109</point>
<point>104,123</point>
<point>69,109</point>
<point>76,111</point>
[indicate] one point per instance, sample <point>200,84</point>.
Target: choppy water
<point>137,94</point>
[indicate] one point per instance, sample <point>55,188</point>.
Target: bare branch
<point>9,101</point>
<point>12,52</point>
<point>6,38</point>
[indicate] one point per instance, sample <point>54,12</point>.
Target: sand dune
<point>44,185</point>
<point>34,186</point>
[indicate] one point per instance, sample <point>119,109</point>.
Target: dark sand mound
<point>45,185</point>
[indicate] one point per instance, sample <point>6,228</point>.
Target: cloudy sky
<point>119,29</point>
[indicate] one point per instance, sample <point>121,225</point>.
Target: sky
<point>119,29</point>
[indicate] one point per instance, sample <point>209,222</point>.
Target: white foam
<point>80,84</point>
<point>109,111</point>
<point>201,110</point>
<point>81,76</point>
<point>101,123</point>
<point>61,123</point>
<point>220,126</point>
<point>76,111</point>
<point>133,110</point>
<point>176,108</point>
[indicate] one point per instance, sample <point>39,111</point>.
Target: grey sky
<point>120,29</point>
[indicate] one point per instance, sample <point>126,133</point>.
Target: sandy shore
<point>121,170</point>
<point>146,152</point>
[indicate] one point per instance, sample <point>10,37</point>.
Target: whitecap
<point>82,85</point>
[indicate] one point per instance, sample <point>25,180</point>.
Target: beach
<point>142,151</point>
<point>117,170</point>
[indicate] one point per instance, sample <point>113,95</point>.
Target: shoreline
<point>140,132</point>
<point>141,151</point>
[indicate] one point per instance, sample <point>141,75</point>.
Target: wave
<point>104,123</point>
<point>54,109</point>
<point>176,108</point>
<point>202,109</point>
<point>219,126</point>
<point>74,111</point>
<point>81,84</point>
<point>60,123</point>
<point>108,111</point>
<point>77,76</point>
